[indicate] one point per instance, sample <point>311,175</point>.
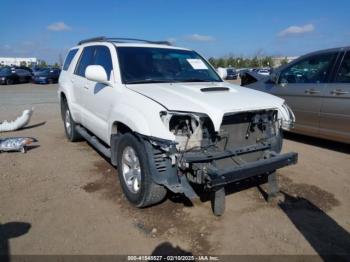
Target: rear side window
<point>69,58</point>
<point>343,75</point>
<point>103,58</point>
<point>85,60</point>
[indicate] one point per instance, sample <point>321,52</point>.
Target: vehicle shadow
<point>167,249</point>
<point>319,142</point>
<point>7,231</point>
<point>330,240</point>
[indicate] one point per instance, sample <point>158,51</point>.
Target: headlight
<point>287,117</point>
<point>3,78</point>
<point>189,128</point>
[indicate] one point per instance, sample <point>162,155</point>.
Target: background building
<point>280,60</point>
<point>18,61</point>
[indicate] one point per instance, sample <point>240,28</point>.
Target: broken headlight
<point>190,129</point>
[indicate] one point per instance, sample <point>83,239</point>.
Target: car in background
<point>36,70</point>
<point>231,74</point>
<point>317,88</point>
<point>11,75</point>
<point>263,71</point>
<point>47,76</point>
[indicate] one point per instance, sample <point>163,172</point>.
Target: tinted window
<point>69,58</point>
<point>85,60</point>
<point>103,58</point>
<point>314,69</point>
<point>22,72</point>
<point>343,75</point>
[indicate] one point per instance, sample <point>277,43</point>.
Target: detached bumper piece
<point>221,177</point>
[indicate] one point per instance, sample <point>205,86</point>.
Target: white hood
<point>188,97</point>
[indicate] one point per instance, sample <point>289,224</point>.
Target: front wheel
<point>9,82</point>
<point>135,174</point>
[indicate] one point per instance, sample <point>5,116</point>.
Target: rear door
<point>301,84</point>
<point>80,84</point>
<point>335,110</point>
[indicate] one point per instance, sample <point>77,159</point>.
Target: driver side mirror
<point>222,72</point>
<point>97,74</point>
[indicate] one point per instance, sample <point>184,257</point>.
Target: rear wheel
<point>135,174</point>
<point>69,124</point>
<point>51,81</point>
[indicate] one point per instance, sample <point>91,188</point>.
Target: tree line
<point>243,62</point>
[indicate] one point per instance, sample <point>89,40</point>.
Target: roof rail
<point>121,40</point>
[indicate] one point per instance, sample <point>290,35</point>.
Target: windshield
<point>161,65</point>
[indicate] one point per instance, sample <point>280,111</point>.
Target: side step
<point>93,140</point>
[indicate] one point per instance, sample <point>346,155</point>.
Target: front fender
<point>141,117</point>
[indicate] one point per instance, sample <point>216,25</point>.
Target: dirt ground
<point>64,198</point>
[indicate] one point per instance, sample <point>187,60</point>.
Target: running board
<point>93,140</point>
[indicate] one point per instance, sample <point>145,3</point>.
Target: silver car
<point>317,88</point>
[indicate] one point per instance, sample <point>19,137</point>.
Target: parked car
<point>263,71</point>
<point>231,74</point>
<point>317,88</point>
<point>167,120</point>
<point>9,76</point>
<point>47,76</point>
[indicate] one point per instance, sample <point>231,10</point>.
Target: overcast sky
<point>44,29</point>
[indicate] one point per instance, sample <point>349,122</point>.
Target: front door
<point>335,110</point>
<point>101,99</point>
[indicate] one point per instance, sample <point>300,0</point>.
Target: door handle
<point>311,91</point>
<point>86,86</point>
<point>339,92</point>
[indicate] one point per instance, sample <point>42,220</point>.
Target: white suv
<point>167,120</point>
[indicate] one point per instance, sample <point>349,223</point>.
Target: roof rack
<point>121,40</point>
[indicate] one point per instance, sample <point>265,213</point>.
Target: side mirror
<point>97,74</point>
<point>222,72</point>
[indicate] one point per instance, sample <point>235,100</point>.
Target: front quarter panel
<point>139,113</point>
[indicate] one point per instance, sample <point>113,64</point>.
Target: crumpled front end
<point>248,144</point>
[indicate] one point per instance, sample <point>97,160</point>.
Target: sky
<point>46,29</point>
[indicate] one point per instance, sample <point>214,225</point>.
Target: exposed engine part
<point>20,122</point>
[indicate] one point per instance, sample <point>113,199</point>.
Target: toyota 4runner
<point>168,121</point>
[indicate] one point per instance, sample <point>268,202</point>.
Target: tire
<point>68,122</point>
<point>140,190</point>
<point>9,82</point>
<point>50,81</point>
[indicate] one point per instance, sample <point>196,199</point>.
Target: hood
<point>215,102</point>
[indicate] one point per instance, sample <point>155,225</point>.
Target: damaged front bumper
<point>221,177</point>
<point>171,169</point>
